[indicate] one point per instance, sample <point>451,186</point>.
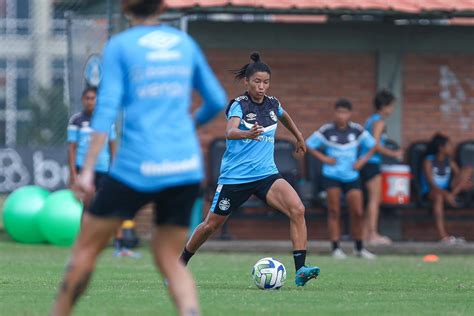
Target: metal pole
<point>110,8</point>
<point>69,64</point>
<point>183,23</point>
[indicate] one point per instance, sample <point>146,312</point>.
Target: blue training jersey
<point>248,160</point>
<point>369,126</point>
<point>79,131</point>
<point>342,145</point>
<point>150,72</point>
<point>441,173</point>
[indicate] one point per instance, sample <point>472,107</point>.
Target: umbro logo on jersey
<point>351,137</point>
<point>85,124</point>
<point>159,40</point>
<point>251,117</point>
<point>333,138</point>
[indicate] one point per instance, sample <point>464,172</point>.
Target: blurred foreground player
<point>149,71</point>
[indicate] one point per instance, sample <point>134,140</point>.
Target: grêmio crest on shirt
<point>264,113</point>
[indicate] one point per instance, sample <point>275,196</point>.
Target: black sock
<point>335,245</point>
<point>186,256</point>
<point>118,243</point>
<point>300,258</point>
<point>358,245</point>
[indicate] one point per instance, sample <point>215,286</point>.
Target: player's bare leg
<point>355,203</point>
<point>94,235</point>
<point>372,235</point>
<point>167,243</point>
<point>284,198</point>
<point>205,230</point>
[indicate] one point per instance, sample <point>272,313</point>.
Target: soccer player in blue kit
<point>78,137</point>
<point>337,145</point>
<point>248,166</point>
<point>371,172</point>
<point>149,71</point>
<point>442,180</point>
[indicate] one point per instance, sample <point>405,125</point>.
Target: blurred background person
<point>442,180</point>
<point>370,173</point>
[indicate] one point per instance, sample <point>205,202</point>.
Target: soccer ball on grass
<point>269,274</point>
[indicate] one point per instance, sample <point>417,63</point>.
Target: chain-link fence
<point>38,87</point>
<point>50,51</point>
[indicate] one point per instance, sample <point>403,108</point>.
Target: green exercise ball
<point>60,218</point>
<point>20,213</point>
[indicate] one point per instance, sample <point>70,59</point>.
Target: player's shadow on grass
<point>251,287</point>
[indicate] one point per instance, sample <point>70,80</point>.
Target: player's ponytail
<point>248,70</point>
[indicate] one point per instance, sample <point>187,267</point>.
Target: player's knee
<point>297,212</point>
<point>84,257</point>
<point>211,226</point>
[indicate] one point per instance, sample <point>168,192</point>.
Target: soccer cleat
<point>125,252</point>
<point>365,254</point>
<point>339,254</point>
<point>304,274</point>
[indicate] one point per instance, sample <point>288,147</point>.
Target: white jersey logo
<point>224,204</point>
<point>161,44</point>
<point>273,116</point>
<point>251,117</point>
<point>159,40</point>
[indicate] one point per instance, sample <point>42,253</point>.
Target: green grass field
<point>124,286</point>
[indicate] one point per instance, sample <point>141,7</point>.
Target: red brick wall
<point>307,85</point>
<point>438,95</point>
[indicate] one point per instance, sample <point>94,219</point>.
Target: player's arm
<point>364,159</point>
<point>71,159</point>
<point>112,142</point>
<point>72,139</point>
<point>427,169</point>
<point>108,103</point>
<point>112,148</point>
<point>205,82</point>
<point>290,125</point>
<point>233,132</point>
<point>368,142</point>
<point>454,168</point>
<point>314,143</point>
<point>378,128</point>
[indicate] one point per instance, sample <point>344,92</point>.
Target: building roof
<point>466,7</point>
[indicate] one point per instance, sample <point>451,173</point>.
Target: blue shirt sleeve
<point>111,90</point>
<point>367,141</point>
<point>235,111</point>
<point>315,141</point>
<point>72,132</point>
<point>206,83</point>
<point>112,133</point>
<point>280,111</point>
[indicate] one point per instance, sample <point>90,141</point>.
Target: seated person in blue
<point>442,180</point>
<point>337,145</point>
